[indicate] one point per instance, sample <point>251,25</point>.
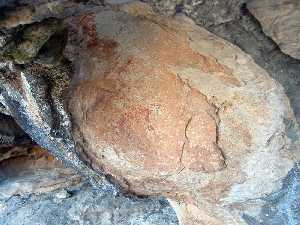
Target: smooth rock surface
<point>123,105</point>
<point>281,21</point>
<point>247,34</point>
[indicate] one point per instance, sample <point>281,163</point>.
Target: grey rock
<point>203,12</point>
<point>35,189</point>
<point>37,181</point>
<point>165,7</point>
<point>280,20</point>
<point>86,206</point>
<point>24,49</point>
<point>28,169</point>
<point>39,110</point>
<point>282,207</point>
<point>25,12</point>
<point>63,194</point>
<point>212,12</point>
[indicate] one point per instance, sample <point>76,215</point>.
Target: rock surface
<point>279,207</point>
<point>22,12</point>
<point>227,189</point>
<point>122,104</point>
<point>10,133</point>
<point>203,12</point>
<point>281,21</point>
<point>33,96</point>
<point>86,206</point>
<point>35,189</point>
<point>34,76</point>
<point>33,171</point>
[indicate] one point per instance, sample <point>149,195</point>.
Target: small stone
<point>63,194</point>
<point>165,7</point>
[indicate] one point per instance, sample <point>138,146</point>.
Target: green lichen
<point>19,56</point>
<point>31,40</point>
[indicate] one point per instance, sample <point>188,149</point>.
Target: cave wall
<point>31,47</point>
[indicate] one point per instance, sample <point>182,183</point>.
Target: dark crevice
<point>11,133</point>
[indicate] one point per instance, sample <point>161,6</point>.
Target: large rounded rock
<point>165,107</point>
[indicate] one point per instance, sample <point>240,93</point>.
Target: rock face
<point>203,12</point>
<point>34,76</point>
<point>279,207</point>
<point>37,189</point>
<point>281,21</point>
<point>158,104</point>
<point>32,170</point>
<point>85,206</point>
<point>167,108</point>
<point>34,97</point>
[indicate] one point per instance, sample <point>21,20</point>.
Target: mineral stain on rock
<point>158,105</point>
<point>145,108</point>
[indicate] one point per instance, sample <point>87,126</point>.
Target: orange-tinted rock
<point>167,108</point>
<point>32,170</point>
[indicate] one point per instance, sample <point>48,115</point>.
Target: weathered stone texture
<point>202,116</point>
<point>203,12</point>
<point>85,206</point>
<point>280,21</point>
<point>32,170</point>
<point>37,189</point>
<point>159,105</point>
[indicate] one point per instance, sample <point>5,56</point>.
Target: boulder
<point>280,20</point>
<point>167,108</point>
